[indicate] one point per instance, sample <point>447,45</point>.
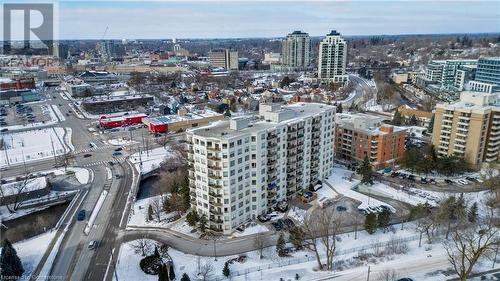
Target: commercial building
<point>296,50</point>
<point>224,58</point>
<point>332,59</point>
<point>18,83</point>
<point>182,121</point>
<point>120,121</point>
<point>423,117</point>
<point>360,135</point>
<point>243,167</point>
<point>469,128</point>
<point>117,101</point>
<point>272,58</point>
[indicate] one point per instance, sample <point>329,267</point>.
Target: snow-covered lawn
<point>31,250</point>
<point>32,145</point>
<point>413,196</point>
<point>151,160</point>
<point>257,228</point>
<point>183,227</point>
<point>297,214</point>
<point>327,192</point>
<point>416,263</point>
<point>341,182</point>
<point>139,214</point>
<point>12,188</point>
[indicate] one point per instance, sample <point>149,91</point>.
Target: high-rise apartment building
<point>469,128</point>
<point>332,59</point>
<point>488,71</point>
<point>224,58</point>
<point>241,168</point>
<point>296,50</point>
<point>360,135</point>
<point>443,72</point>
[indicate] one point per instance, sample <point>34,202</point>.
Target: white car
<point>463,181</point>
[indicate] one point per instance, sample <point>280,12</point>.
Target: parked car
<point>423,180</point>
<point>282,206</point>
<point>341,209</point>
<point>4,130</point>
<point>462,181</point>
<point>405,279</point>
<point>278,225</point>
<point>411,178</point>
<point>263,218</point>
<point>87,155</point>
<point>472,179</point>
<point>118,149</point>
<point>117,153</point>
<point>394,174</point>
<point>288,223</point>
<point>81,215</point>
<point>448,181</point>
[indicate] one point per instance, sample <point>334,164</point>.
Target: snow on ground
<point>327,192</point>
<point>183,227</point>
<point>30,185</point>
<point>297,214</point>
<point>416,263</point>
<point>150,160</point>
<point>341,182</point>
<point>413,197</point>
<point>32,145</point>
<point>31,250</point>
<point>257,228</point>
<point>58,113</point>
<point>119,142</point>
<point>139,214</point>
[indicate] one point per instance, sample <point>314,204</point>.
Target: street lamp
<point>215,249</point>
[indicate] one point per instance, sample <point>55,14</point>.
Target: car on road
<point>81,215</point>
<point>67,114</point>
<point>117,153</point>
<point>87,155</point>
<point>448,181</point>
<point>117,177</point>
<point>463,181</point>
<point>4,130</point>
<point>118,149</point>
<point>59,104</point>
<point>93,245</point>
<point>111,163</point>
<point>471,179</point>
<point>424,180</point>
<point>405,279</point>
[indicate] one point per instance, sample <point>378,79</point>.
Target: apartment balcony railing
<point>214,185</point>
<point>215,211</point>
<point>216,195</point>
<point>214,157</point>
<point>214,167</point>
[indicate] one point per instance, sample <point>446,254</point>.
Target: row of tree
<point>424,160</point>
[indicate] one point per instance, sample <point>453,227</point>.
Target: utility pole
<point>215,250</point>
<point>368,277</point>
<point>53,150</point>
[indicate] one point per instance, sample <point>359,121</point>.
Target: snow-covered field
<point>31,250</point>
<point>416,263</point>
<point>12,188</point>
<point>32,145</point>
<point>341,182</point>
<point>150,160</point>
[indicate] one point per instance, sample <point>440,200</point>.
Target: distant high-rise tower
<point>296,49</point>
<point>332,59</point>
<point>225,58</point>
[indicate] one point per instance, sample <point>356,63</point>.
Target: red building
<point>17,83</point>
<point>126,120</point>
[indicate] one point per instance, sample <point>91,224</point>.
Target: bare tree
<point>387,275</point>
<point>206,271</point>
<point>157,208</point>
<point>491,180</point>
<point>468,245</point>
<point>142,246</point>
<point>14,193</point>
<point>259,242</point>
<point>323,227</point>
<point>64,160</point>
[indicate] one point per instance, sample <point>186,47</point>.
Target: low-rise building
<point>114,102</point>
<point>423,117</point>
<point>360,135</point>
<point>182,121</point>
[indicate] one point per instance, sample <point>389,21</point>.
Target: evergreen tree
<point>202,223</point>
<point>171,273</point>
<point>150,213</point>
<point>371,223</point>
<point>396,119</point>
<point>430,127</point>
<point>297,277</point>
<point>384,218</point>
<point>413,121</point>
<point>11,267</point>
<point>339,108</point>
<point>472,215</point>
<point>185,277</point>
<point>226,270</point>
<point>280,245</point>
<point>366,170</point>
<point>163,273</point>
<point>192,218</point>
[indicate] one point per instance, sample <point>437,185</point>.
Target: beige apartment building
<point>469,128</point>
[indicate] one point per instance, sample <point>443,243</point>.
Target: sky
<point>240,19</point>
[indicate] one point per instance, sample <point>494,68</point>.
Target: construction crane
<point>104,34</point>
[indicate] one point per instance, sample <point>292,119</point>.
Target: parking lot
<point>24,114</point>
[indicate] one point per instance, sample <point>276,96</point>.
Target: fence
<point>292,261</point>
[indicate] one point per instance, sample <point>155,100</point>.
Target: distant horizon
<point>153,20</point>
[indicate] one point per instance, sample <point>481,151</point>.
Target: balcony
<point>215,203</point>
<point>214,185</point>
<point>215,220</point>
<point>216,195</point>
<point>212,148</point>
<point>215,211</point>
<point>214,167</point>
<point>214,157</point>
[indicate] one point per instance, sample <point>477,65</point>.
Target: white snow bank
<point>151,160</point>
<point>30,185</point>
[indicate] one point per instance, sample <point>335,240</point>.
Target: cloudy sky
<point>229,19</point>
